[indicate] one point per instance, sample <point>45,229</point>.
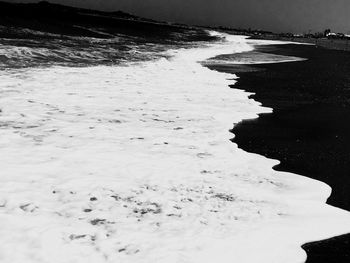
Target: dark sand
<point>309,131</point>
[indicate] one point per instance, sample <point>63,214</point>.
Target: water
<point>131,161</point>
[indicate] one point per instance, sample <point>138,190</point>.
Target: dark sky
<point>277,15</point>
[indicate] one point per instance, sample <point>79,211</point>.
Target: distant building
<point>332,35</point>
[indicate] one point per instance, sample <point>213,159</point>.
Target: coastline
<point>310,105</point>
<point>171,185</point>
<point>117,146</point>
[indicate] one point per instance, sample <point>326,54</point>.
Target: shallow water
<point>250,58</point>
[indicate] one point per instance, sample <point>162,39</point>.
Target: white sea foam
<point>134,164</point>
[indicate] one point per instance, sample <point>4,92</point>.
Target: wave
<point>134,164</point>
<point>75,51</point>
<point>22,47</point>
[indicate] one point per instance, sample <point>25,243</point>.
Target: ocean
<point>122,153</point>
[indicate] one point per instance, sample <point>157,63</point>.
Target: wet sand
<point>309,131</point>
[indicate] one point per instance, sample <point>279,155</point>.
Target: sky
<point>298,16</point>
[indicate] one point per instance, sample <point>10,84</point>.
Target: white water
<point>134,164</point>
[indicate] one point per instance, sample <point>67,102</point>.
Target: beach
<point>132,138</point>
<point>133,162</point>
<point>309,129</point>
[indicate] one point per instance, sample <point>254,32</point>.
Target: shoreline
<point>156,135</point>
<point>285,133</point>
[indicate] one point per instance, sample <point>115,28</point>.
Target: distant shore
<point>337,44</point>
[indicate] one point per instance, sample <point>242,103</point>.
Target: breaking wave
<point>29,48</point>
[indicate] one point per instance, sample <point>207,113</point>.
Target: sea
<point>119,150</point>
